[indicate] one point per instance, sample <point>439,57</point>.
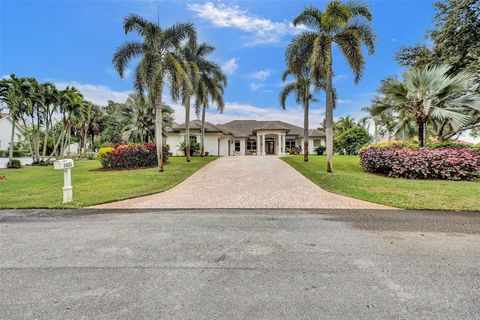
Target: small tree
<point>352,140</point>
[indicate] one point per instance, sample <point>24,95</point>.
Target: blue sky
<point>72,42</point>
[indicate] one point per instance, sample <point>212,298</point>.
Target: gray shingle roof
<point>246,128</point>
<point>196,125</point>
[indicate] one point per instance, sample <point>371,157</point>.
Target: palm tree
<point>157,62</point>
<point>430,93</point>
<point>10,94</point>
<point>348,26</point>
<point>209,86</point>
<point>50,102</point>
<point>300,87</point>
<point>139,118</point>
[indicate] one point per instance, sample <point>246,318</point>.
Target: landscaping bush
<point>195,147</point>
<point>320,150</point>
<point>130,156</point>
<point>351,141</point>
<point>414,144</point>
<point>14,164</point>
<point>422,163</point>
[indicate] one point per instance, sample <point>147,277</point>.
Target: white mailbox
<point>66,165</point>
<point>63,164</point>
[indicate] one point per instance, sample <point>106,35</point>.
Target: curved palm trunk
<point>305,129</point>
<point>187,129</point>
<point>202,138</point>
<point>44,151</point>
<point>329,114</point>
<point>12,138</point>
<point>159,128</point>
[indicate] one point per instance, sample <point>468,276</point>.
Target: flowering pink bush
<point>129,156</point>
<point>422,163</point>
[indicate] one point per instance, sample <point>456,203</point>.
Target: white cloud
<point>264,31</point>
<point>255,86</point>
<point>97,94</point>
<point>343,101</point>
<point>230,66</point>
<point>261,75</point>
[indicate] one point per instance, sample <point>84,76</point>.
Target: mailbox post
<point>66,165</point>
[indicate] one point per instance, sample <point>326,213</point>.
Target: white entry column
<point>284,144</point>
<point>263,145</point>
<point>279,144</point>
<point>259,150</point>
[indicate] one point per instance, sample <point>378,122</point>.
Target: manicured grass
<point>41,187</point>
<point>349,179</point>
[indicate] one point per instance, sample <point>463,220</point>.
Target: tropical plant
<point>138,118</point>
<point>209,87</point>
<point>10,95</point>
<point>158,61</point>
<point>348,26</point>
<point>429,93</point>
<point>301,88</point>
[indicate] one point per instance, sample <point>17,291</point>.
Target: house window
<point>193,139</point>
<point>237,145</point>
<point>316,142</point>
<point>251,144</point>
<point>290,143</point>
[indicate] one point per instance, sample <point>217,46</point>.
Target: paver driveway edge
<point>245,182</point>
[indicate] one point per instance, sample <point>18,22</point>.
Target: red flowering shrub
<point>130,156</point>
<point>422,163</point>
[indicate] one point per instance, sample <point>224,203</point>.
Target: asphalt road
<point>239,264</point>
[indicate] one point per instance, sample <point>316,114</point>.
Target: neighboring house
<point>6,131</point>
<point>245,137</point>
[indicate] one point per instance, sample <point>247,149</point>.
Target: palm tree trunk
<point>187,129</point>
<point>44,151</point>
<point>421,134</point>
<point>29,140</point>
<point>158,128</point>
<point>329,114</point>
<point>12,138</point>
<point>202,138</point>
<point>305,127</point>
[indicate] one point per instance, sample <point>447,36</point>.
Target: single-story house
<point>245,137</point>
<point>6,124</point>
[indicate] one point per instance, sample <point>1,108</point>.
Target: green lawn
<point>349,179</point>
<point>41,187</point>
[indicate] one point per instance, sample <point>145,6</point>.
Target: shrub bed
<point>422,163</point>
<point>130,156</point>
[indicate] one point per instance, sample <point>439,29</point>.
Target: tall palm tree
<point>50,102</point>
<point>301,88</point>
<point>10,94</point>
<point>348,26</point>
<point>430,93</point>
<point>158,61</point>
<point>209,86</point>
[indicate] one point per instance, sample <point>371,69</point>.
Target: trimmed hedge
<point>130,156</point>
<point>422,163</point>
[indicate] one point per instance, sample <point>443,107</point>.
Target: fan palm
<point>158,62</point>
<point>429,93</point>
<point>348,26</point>
<point>139,118</point>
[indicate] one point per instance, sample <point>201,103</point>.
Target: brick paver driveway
<point>245,182</point>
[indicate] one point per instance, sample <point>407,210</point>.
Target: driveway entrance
<point>245,182</point>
